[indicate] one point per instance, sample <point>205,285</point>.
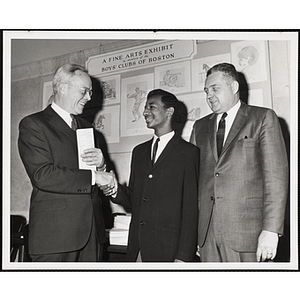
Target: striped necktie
<point>74,124</point>
<point>221,133</point>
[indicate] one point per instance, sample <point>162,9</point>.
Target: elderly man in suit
<point>162,189</point>
<point>243,175</point>
<point>65,218</point>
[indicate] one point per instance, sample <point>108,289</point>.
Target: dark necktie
<point>74,124</point>
<point>155,150</point>
<point>221,133</point>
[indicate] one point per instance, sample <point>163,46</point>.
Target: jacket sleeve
<point>36,154</point>
<point>275,173</point>
<point>188,233</point>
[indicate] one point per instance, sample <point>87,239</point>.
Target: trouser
<point>215,248</point>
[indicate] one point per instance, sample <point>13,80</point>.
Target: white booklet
<point>85,140</point>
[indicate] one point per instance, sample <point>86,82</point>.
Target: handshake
<point>107,182</point>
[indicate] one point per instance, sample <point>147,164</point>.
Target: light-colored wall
<point>27,91</point>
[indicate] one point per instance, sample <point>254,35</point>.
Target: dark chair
<point>18,238</point>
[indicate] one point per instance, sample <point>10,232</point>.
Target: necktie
<point>74,124</point>
<point>155,150</point>
<point>220,133</point>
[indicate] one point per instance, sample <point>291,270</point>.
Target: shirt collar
<point>164,138</point>
<point>231,113</point>
<point>62,113</point>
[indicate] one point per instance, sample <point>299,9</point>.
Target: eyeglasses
<point>83,90</point>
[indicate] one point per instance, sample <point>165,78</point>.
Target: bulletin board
<point>178,66</point>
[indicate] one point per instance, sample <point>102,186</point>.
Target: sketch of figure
<point>202,74</point>
<point>170,79</point>
<point>205,68</point>
<point>108,90</point>
<point>248,57</point>
<point>139,97</point>
<point>194,114</point>
<point>98,122</point>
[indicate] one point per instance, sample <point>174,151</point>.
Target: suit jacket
<point>248,183</point>
<point>163,199</point>
<point>63,201</point>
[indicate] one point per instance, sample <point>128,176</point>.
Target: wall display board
<point>178,66</point>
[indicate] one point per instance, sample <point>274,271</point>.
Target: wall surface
<point>27,97</point>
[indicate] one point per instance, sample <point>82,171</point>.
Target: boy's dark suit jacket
<point>63,202</point>
<point>248,183</point>
<point>163,199</point>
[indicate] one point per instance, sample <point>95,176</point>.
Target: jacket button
<point>142,223</point>
<point>79,190</point>
<point>212,198</point>
<point>150,176</point>
<point>217,174</point>
<point>145,199</point>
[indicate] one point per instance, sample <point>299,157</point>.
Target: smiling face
<point>76,93</point>
<point>221,92</point>
<point>157,116</point>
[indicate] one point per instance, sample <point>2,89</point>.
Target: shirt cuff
<point>93,177</point>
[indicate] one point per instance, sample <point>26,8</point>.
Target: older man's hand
<point>104,179</point>
<point>93,157</point>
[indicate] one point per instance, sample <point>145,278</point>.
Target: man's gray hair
<point>64,73</point>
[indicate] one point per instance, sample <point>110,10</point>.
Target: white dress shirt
<point>164,140</point>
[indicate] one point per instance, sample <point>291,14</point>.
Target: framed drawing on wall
<point>107,122</point>
<point>111,89</point>
<point>249,58</point>
<point>200,67</point>
<point>134,92</point>
<point>196,108</point>
<point>174,78</point>
<point>47,92</point>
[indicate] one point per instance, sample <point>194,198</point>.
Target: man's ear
<point>235,87</point>
<point>63,88</point>
<point>170,111</point>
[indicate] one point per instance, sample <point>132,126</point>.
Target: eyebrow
<point>86,88</point>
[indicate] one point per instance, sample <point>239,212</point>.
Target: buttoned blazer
<point>248,183</point>
<point>63,203</point>
<point>163,199</point>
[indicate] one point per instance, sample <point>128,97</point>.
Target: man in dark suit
<point>162,189</point>
<point>243,175</point>
<point>65,218</point>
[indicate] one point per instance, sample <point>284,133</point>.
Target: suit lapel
<point>169,148</point>
<point>59,124</point>
<point>212,131</point>
<point>238,123</point>
<point>147,153</point>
